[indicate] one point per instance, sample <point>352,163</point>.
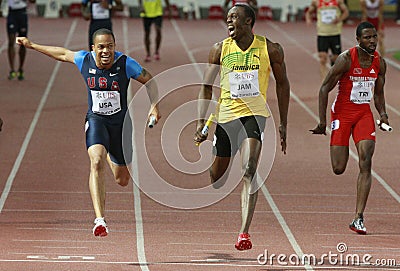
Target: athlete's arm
<point>341,66</point>
<point>379,95</point>
<point>363,10</point>
<point>344,10</point>
<point>58,53</point>
<point>277,60</point>
<point>152,91</point>
<point>118,6</point>
<point>205,93</point>
<point>311,8</point>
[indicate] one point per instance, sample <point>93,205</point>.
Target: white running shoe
<point>100,228</point>
<point>358,226</point>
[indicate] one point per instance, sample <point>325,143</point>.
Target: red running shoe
<point>100,228</point>
<point>243,242</point>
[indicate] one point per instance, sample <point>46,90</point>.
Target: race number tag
<point>98,12</point>
<point>361,92</point>
<point>244,84</point>
<point>106,102</point>
<point>328,15</point>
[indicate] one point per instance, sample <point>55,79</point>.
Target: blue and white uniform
<point>107,103</point>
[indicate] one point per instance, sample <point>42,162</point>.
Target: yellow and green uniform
<point>244,80</point>
<point>152,8</point>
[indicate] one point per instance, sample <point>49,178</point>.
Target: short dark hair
<point>248,11</point>
<point>362,26</point>
<point>102,31</point>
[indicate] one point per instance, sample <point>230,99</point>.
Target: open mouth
<point>231,30</point>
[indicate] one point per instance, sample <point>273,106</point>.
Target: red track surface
<point>47,216</point>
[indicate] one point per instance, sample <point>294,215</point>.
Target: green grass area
<point>396,55</point>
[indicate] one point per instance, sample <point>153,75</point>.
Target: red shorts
<point>359,124</point>
<point>375,22</point>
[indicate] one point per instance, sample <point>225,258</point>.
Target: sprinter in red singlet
<point>360,75</point>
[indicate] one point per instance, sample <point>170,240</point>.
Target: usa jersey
<point>107,89</point>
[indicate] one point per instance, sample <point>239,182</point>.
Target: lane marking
<point>34,122</point>
<point>275,209</point>
<point>141,254</point>
<point>388,188</point>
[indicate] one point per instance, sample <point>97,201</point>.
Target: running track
<point>45,209</point>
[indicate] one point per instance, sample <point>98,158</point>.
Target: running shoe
<point>358,226</point>
<point>157,57</point>
<point>100,228</point>
<point>243,242</point>
<point>12,75</point>
<point>147,59</point>
<point>20,75</point>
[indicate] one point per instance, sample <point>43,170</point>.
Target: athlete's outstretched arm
<point>58,53</point>
<point>277,60</point>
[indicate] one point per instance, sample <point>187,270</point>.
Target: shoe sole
<point>358,231</point>
<point>100,231</point>
<point>244,245</point>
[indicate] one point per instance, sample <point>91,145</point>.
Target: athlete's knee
<point>97,163</point>
<point>250,170</point>
<point>338,169</point>
<point>123,180</point>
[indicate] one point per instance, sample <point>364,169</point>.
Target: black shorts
<point>148,21</point>
<point>17,22</point>
<point>333,43</point>
<point>229,136</point>
<point>100,131</point>
<point>96,25</point>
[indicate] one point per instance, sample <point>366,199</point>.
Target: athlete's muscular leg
<point>11,50</point>
<point>339,158</point>
<point>365,149</point>
<point>250,153</point>
<point>22,54</point>
<point>147,41</point>
<point>323,60</point>
<point>121,173</point>
<point>98,157</point>
<point>158,38</point>
<point>219,171</point>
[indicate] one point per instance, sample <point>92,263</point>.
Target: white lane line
<point>136,192</point>
<point>275,209</point>
<point>388,188</point>
<point>34,122</point>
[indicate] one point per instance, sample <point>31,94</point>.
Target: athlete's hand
<point>24,41</point>
<point>319,130</point>
<point>198,135</point>
<point>282,134</point>
<point>154,112</point>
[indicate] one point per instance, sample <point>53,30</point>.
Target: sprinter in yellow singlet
<point>152,12</point>
<point>244,61</point>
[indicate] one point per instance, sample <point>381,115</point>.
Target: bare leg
<point>121,173</point>
<point>98,156</point>
<point>339,158</point>
<point>219,171</point>
<point>323,60</point>
<point>147,42</point>
<point>11,51</point>
<point>158,39</point>
<point>22,54</point>
<point>365,149</point>
<point>250,152</point>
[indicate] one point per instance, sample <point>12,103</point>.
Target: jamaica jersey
<point>153,8</point>
<point>244,80</point>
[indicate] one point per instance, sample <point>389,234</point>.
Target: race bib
<point>328,15</point>
<point>361,92</point>
<point>105,102</point>
<point>244,84</point>
<point>98,12</point>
